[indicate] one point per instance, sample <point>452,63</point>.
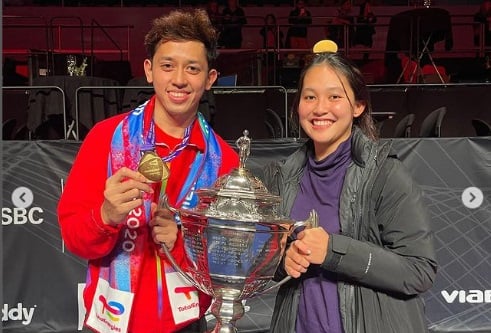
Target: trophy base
<point>224,329</point>
<point>226,313</point>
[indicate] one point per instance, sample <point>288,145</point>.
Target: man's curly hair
<point>181,25</point>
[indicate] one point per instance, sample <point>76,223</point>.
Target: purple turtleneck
<point>320,189</point>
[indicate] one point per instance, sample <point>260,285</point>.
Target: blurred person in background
<point>213,11</point>
<point>338,25</point>
<point>299,19</point>
<point>365,28</point>
<point>233,18</point>
<point>482,28</point>
<point>272,40</point>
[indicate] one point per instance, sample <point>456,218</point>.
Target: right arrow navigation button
<point>472,197</point>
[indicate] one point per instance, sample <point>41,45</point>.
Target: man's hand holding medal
<point>123,193</point>
<point>125,190</point>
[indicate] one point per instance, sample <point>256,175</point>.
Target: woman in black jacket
<point>363,269</point>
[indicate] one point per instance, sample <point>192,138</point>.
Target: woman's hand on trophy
<point>296,261</point>
<point>316,241</point>
<point>164,227</point>
<point>123,193</point>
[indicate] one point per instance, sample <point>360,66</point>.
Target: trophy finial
<point>244,145</point>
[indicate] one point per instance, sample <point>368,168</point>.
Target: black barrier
<point>264,110</point>
<point>42,281</point>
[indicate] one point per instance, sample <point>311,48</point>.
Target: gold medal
<point>152,167</point>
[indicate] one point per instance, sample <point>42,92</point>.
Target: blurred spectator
<point>233,18</point>
<point>215,16</point>
<point>214,13</point>
<point>483,17</point>
<point>336,27</point>
<point>299,18</point>
<point>272,39</point>
<point>365,26</point>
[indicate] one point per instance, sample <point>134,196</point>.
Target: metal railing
<point>388,100</point>
<point>59,38</point>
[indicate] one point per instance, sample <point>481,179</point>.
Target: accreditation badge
<point>111,308</point>
<point>183,296</point>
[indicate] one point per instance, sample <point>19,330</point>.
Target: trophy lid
<point>239,194</point>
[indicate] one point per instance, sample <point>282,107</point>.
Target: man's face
<point>179,73</point>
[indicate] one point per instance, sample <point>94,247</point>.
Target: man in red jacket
<point>108,210</point>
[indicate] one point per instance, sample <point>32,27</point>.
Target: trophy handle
<point>176,266</point>
<point>163,202</point>
<point>311,222</point>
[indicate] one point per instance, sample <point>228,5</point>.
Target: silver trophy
<point>234,241</point>
<point>71,63</point>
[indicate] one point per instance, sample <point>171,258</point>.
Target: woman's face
<point>327,108</point>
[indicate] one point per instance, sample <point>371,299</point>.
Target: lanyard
<point>177,149</point>
<point>149,145</point>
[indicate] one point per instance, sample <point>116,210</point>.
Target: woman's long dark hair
<point>345,68</point>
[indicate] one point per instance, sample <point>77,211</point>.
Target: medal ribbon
<point>149,144</point>
<point>177,149</point>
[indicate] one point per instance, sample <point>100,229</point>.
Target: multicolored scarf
<point>121,268</point>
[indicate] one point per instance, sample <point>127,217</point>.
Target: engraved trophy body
<point>234,241</point>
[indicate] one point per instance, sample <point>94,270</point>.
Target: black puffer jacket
<point>384,256</point>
